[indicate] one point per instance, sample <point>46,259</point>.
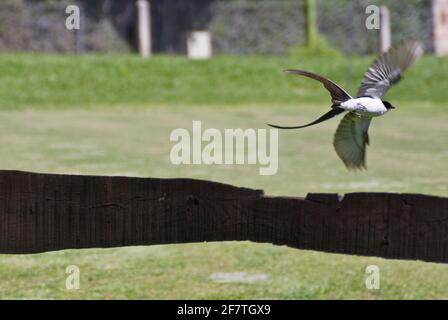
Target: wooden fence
<point>45,212</point>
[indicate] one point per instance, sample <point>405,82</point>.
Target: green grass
<point>125,131</point>
<point>28,81</point>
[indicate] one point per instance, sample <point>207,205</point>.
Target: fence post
<point>144,28</point>
<point>79,33</point>
<point>310,21</point>
<point>439,10</point>
<point>385,34</point>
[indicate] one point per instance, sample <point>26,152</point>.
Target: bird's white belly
<point>365,106</point>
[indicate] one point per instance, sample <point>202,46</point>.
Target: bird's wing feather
<point>350,140</point>
<point>330,114</point>
<point>388,69</point>
<point>338,95</point>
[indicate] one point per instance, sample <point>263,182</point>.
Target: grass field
<point>127,81</point>
<point>113,116</point>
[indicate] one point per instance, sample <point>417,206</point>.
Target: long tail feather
<point>330,114</point>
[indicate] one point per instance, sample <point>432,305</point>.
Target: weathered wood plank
<point>45,212</point>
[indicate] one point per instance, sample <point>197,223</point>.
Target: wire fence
<point>39,26</point>
<point>249,27</point>
<point>343,23</point>
<point>237,26</point>
<point>267,26</point>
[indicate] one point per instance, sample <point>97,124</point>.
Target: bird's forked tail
<point>338,96</point>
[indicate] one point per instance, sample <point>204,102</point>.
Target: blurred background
<point>103,99</point>
<point>237,26</point>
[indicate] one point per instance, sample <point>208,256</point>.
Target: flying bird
<point>351,136</point>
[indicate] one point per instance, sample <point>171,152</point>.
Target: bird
<point>351,136</point>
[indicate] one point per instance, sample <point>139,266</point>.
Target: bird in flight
<point>351,136</point>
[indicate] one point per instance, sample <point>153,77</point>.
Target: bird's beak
<point>392,107</point>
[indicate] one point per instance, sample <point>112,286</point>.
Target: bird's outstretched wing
<point>338,95</point>
<point>388,69</point>
<point>330,114</point>
<point>350,140</point>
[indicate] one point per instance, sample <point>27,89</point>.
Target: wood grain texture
<point>45,212</point>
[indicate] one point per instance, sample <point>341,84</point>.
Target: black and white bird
<point>351,136</point>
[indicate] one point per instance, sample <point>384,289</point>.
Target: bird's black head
<point>388,105</point>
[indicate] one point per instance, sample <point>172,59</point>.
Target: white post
<point>385,36</point>
<point>144,28</point>
<point>440,26</point>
